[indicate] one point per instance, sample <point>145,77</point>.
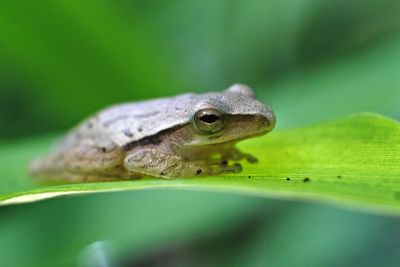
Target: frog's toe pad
<point>251,159</point>
<point>237,167</point>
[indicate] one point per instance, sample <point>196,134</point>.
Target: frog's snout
<point>267,122</point>
<point>270,121</point>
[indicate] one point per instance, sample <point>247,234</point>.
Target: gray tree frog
<point>181,136</point>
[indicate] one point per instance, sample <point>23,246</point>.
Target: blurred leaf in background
<point>310,60</point>
<point>61,61</point>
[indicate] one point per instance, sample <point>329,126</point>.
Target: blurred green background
<point>60,61</point>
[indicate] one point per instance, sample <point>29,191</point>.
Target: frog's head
<point>230,116</point>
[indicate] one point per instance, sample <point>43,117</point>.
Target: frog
<point>187,135</point>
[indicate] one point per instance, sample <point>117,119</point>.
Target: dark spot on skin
<point>199,171</point>
<point>287,179</point>
<point>127,133</point>
<point>339,177</point>
<point>306,180</point>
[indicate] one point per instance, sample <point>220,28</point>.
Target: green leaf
<point>353,161</point>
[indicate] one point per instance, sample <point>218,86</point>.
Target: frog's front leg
<point>235,154</point>
<point>152,162</point>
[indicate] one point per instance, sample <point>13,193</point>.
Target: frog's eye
<point>209,120</point>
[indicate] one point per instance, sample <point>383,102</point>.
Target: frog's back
<point>130,122</point>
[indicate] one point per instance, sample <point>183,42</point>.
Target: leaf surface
<point>352,161</point>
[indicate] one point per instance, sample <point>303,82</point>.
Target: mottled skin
<point>160,138</point>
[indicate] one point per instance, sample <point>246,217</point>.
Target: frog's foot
<point>225,168</point>
<point>236,155</point>
<point>250,158</point>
